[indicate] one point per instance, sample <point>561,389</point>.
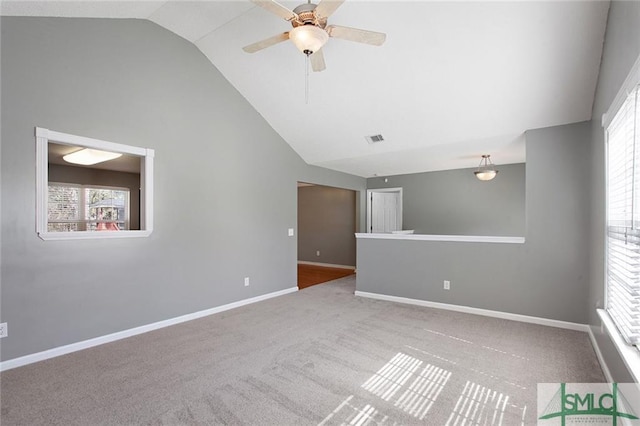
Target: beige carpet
<point>318,356</point>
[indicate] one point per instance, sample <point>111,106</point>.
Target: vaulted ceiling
<point>453,80</point>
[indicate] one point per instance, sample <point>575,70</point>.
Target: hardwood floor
<point>309,275</point>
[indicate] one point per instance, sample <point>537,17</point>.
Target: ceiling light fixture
<point>486,169</point>
<point>308,38</point>
<point>87,156</point>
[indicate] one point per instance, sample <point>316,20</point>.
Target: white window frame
<point>630,354</point>
<point>43,137</point>
<point>82,207</point>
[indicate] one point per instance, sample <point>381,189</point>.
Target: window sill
<point>629,354</point>
<point>91,235</point>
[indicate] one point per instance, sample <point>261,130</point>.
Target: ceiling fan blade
<point>326,7</point>
<point>317,61</point>
<point>354,34</point>
<point>268,42</point>
<point>276,9</point>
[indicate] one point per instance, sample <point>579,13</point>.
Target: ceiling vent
<point>374,138</point>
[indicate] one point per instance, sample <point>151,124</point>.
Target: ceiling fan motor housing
<point>306,16</point>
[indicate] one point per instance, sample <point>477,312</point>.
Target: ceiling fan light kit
<point>308,38</point>
<point>310,31</point>
<point>486,170</point>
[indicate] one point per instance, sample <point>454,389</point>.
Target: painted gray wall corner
<point>544,277</point>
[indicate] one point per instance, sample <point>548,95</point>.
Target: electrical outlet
<point>4,332</point>
<point>447,285</point>
<point>318,253</point>
<point>291,232</point>
<point>246,281</point>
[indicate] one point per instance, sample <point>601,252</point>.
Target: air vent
<point>374,138</point>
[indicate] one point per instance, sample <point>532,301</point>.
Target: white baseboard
<point>328,265</point>
<point>603,364</point>
<point>85,344</point>
<point>477,311</point>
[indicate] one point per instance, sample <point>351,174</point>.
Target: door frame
<point>378,190</point>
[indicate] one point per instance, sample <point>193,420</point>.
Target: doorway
<point>327,223</point>
<point>384,210</point>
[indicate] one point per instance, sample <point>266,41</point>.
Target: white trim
<point>42,179</point>
<point>601,360</point>
<point>632,80</point>
<point>328,265</point>
<point>91,235</point>
<point>447,238</point>
<point>477,311</point>
<point>43,136</point>
<point>85,344</point>
<point>629,354</point>
<point>69,139</point>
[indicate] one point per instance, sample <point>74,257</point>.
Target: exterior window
<point>84,208</point>
<point>623,218</point>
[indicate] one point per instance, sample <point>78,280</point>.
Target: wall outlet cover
<point>4,331</point>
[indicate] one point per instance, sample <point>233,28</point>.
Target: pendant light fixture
<point>486,169</point>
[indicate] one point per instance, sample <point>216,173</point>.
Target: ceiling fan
<point>310,30</point>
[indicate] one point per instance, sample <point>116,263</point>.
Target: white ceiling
<point>453,80</point>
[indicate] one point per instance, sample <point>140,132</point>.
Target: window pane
<point>63,203</point>
<point>623,219</point>
<point>106,209</point>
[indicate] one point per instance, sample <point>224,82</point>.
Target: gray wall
<point>544,277</point>
<point>327,223</point>
<point>454,202</point>
<point>225,182</point>
<point>621,49</point>
<point>89,176</point>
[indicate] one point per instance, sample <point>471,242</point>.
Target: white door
<point>385,210</point>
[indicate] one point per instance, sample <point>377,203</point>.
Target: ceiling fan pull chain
<point>306,80</point>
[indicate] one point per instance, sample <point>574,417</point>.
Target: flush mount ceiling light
<point>308,38</point>
<point>486,169</point>
<point>87,156</point>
